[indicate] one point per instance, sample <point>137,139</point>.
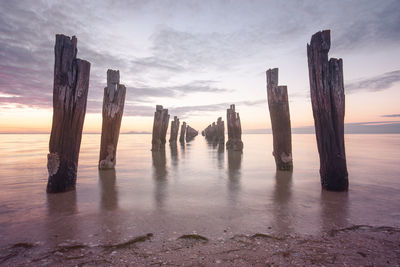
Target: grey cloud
<point>374,84</point>
<point>185,111</point>
<point>138,109</point>
<point>200,86</point>
<point>375,23</point>
<point>148,63</point>
<point>391,116</point>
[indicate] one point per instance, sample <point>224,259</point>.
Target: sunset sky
<point>198,57</point>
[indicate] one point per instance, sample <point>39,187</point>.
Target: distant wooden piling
<point>280,120</point>
<point>113,108</point>
<point>328,103</point>
<point>183,132</point>
<point>190,133</point>
<point>215,132</point>
<point>220,131</point>
<point>173,136</point>
<point>70,90</point>
<point>234,130</point>
<point>160,127</point>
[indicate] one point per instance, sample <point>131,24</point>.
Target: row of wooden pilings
<point>70,90</point>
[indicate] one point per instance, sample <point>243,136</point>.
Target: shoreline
<point>354,245</point>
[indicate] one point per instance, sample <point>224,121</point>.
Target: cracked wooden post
<point>173,136</point>
<point>160,127</point>
<point>183,132</point>
<point>220,129</point>
<point>70,90</point>
<point>190,133</point>
<point>234,130</point>
<point>328,104</point>
<point>280,121</point>
<point>113,108</point>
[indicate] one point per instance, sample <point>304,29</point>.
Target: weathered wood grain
<point>113,109</point>
<point>328,104</point>
<point>160,127</point>
<point>280,121</point>
<point>70,90</point>
<point>234,130</point>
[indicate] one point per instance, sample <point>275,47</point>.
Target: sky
<point>198,57</point>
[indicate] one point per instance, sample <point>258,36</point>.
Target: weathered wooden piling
<point>70,90</point>
<point>215,132</point>
<point>220,131</point>
<point>113,109</point>
<point>173,136</point>
<point>183,132</point>
<point>190,133</point>
<point>280,120</point>
<point>234,130</point>
<point>328,103</point>
<point>160,127</point>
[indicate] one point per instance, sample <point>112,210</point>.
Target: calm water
<point>195,188</point>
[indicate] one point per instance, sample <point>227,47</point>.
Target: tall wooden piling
<point>234,130</point>
<point>160,127</point>
<point>70,90</point>
<point>183,132</point>
<point>328,103</point>
<point>174,131</point>
<point>113,108</point>
<point>280,120</point>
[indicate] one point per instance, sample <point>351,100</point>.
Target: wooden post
<point>220,131</point>
<point>190,133</point>
<point>215,132</point>
<point>70,90</point>
<point>174,131</point>
<point>160,126</point>
<point>280,120</point>
<point>327,98</point>
<point>234,130</point>
<point>113,108</point>
<point>183,131</point>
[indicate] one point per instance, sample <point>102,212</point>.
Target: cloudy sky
<point>197,57</point>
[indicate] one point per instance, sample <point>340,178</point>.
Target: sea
<point>196,188</point>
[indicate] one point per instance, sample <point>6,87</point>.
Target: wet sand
<point>352,246</point>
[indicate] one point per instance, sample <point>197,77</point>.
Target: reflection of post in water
<point>60,223</point>
<point>63,203</point>
<point>234,165</point>
<point>174,154</point>
<point>182,145</point>
<point>108,202</point>
<point>109,193</point>
<point>334,210</point>
<point>282,196</point>
<point>159,177</point>
<point>221,155</point>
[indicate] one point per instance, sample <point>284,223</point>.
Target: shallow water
<point>195,188</point>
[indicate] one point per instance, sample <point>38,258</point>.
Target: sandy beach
<point>353,246</point>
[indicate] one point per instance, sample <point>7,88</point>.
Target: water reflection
<point>282,198</point>
<point>61,223</point>
<point>62,203</point>
<point>108,190</point>
<point>334,210</point>
<point>174,154</point>
<point>182,145</point>
<point>160,177</point>
<point>234,174</point>
<point>221,156</point>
